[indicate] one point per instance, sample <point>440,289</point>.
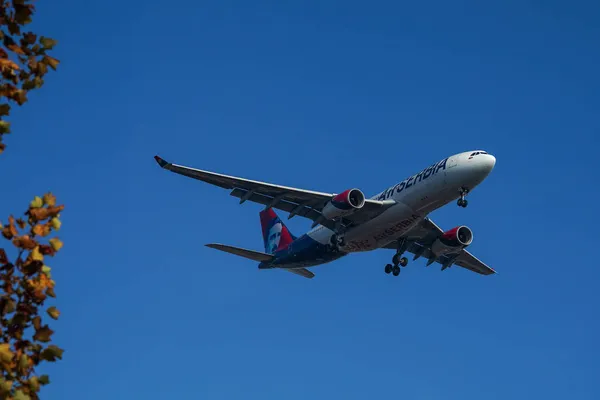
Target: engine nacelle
<point>344,204</point>
<point>452,241</point>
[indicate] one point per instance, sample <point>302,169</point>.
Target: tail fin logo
<point>276,235</point>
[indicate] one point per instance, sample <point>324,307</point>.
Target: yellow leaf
<point>24,362</point>
<point>5,386</point>
<point>56,223</point>
<point>52,62</point>
<point>10,306</point>
<point>43,334</point>
<point>20,395</point>
<point>6,355</point>
<point>47,43</point>
<point>36,255</point>
<point>51,353</point>
<point>53,312</point>
<point>46,270</point>
<point>34,384</point>
<point>4,109</point>
<point>56,244</point>
<point>37,202</point>
<point>4,127</point>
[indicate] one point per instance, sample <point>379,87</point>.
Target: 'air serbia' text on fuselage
<point>413,180</point>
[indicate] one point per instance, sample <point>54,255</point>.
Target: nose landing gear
<point>462,202</point>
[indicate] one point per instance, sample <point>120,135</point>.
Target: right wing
<point>421,237</point>
<point>305,203</point>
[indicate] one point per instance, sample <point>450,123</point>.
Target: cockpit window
<point>476,153</point>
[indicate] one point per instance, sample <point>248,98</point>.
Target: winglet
<point>161,162</point>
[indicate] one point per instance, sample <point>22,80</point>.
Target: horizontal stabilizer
<point>250,254</point>
<point>301,271</point>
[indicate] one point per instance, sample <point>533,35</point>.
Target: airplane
<point>347,222</point>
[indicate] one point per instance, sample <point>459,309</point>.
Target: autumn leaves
<point>25,277</point>
<point>26,284</point>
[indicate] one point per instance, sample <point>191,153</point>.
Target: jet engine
<point>344,204</point>
<point>452,241</point>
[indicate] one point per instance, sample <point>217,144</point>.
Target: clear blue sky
<point>324,96</point>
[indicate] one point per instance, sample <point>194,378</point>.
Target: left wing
<point>305,203</point>
<point>421,237</point>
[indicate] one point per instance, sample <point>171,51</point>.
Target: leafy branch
<point>24,59</point>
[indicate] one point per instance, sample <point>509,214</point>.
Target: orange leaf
<point>30,37</point>
<point>7,90</point>
<point>24,242</point>
<point>41,230</point>
<point>53,312</point>
<point>6,63</point>
<point>46,250</point>
<point>16,48</point>
<point>44,213</point>
<point>49,199</point>
<point>37,322</point>
<point>10,231</point>
<point>20,96</point>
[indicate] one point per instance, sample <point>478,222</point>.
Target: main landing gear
<point>462,202</point>
<point>337,241</point>
<point>398,261</point>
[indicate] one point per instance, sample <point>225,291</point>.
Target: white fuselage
<point>414,198</point>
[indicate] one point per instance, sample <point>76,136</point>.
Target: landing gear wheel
<point>398,259</point>
<point>396,270</point>
<point>388,268</point>
<point>337,241</point>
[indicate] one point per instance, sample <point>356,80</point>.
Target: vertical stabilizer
<point>276,235</point>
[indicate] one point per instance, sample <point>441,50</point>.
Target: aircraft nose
<point>490,161</point>
<point>487,163</point>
